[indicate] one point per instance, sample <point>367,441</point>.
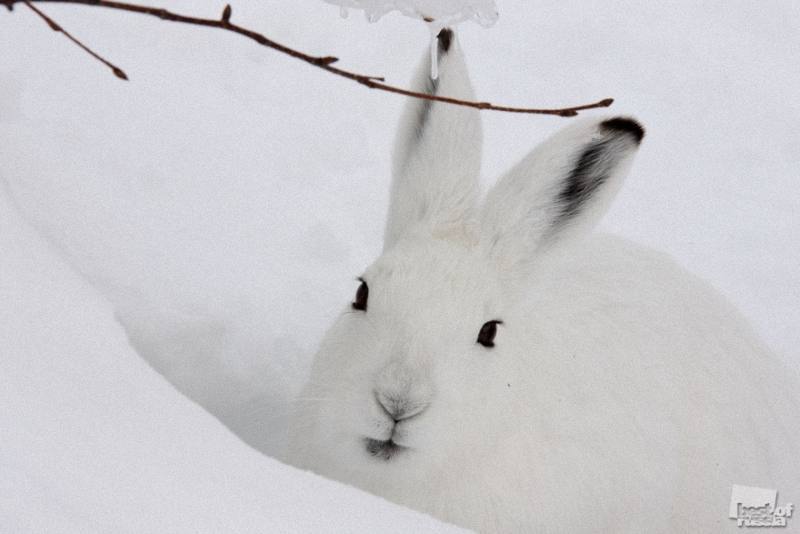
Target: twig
<point>118,72</point>
<point>322,62</point>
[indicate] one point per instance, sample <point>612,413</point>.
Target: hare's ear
<point>437,153</point>
<point>557,191</point>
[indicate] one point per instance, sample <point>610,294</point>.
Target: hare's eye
<point>487,333</point>
<point>361,297</point>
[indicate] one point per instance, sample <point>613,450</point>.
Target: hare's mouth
<point>383,450</point>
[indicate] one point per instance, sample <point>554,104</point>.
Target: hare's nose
<point>402,390</point>
<point>398,407</point>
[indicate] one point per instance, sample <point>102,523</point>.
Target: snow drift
<point>94,440</point>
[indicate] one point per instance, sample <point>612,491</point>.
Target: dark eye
<point>487,333</point>
<point>361,297</point>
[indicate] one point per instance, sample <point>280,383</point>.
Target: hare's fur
<point>622,394</point>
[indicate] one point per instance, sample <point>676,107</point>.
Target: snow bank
<point>94,440</point>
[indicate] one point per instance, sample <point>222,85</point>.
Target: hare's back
<point>646,378</point>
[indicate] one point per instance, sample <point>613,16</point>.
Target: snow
<point>437,14</point>
<point>94,440</point>
<point>211,214</point>
<point>444,12</point>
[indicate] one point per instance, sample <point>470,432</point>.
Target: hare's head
<point>420,368</point>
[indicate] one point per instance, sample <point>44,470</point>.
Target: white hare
<point>505,369</point>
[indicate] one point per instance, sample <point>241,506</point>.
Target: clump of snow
<point>438,14</point>
<point>442,12</point>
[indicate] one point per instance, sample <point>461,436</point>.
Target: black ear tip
<point>625,125</point>
<point>445,39</point>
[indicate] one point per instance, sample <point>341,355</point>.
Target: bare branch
<point>118,72</point>
<point>322,62</point>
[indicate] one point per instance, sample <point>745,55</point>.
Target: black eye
<point>487,333</point>
<point>361,297</point>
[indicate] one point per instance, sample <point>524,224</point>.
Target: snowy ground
<point>94,440</point>
<point>221,202</point>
